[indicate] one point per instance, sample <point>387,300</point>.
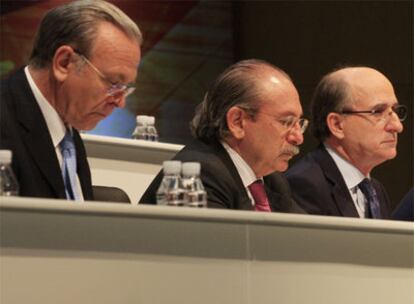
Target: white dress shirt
<point>54,123</point>
<point>246,173</point>
<point>352,177</point>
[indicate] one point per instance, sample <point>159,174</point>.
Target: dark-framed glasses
<point>291,122</point>
<point>382,112</point>
<point>116,90</point>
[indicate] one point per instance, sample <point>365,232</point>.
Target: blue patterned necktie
<point>67,147</point>
<point>371,195</point>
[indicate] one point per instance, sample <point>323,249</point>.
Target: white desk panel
<point>125,163</point>
<point>54,251</point>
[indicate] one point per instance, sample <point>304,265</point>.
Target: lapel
<point>83,170</point>
<point>278,193</point>
<point>242,199</point>
<point>339,191</point>
<point>275,199</point>
<point>35,133</point>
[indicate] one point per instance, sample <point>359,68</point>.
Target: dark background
<point>307,39</point>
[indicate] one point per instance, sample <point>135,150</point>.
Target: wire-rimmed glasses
<point>116,90</point>
<point>381,112</point>
<point>290,122</point>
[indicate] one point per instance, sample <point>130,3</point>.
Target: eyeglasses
<point>116,90</point>
<point>381,112</point>
<point>291,122</point>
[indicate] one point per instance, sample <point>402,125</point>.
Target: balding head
<point>340,89</point>
<point>356,113</point>
<point>363,81</point>
<point>243,84</point>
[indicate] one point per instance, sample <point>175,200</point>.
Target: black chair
<point>110,194</point>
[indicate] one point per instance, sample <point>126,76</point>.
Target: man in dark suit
<point>84,55</point>
<point>248,127</point>
<point>356,117</point>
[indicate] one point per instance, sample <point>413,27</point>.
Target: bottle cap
<point>5,156</point>
<point>150,120</point>
<point>171,167</point>
<point>142,119</point>
<point>191,169</point>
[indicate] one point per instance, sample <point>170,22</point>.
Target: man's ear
<point>63,62</point>
<point>236,121</point>
<point>335,124</point>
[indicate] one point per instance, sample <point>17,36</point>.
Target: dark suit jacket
<point>405,209</point>
<point>319,188</point>
<point>222,182</point>
<point>24,132</point>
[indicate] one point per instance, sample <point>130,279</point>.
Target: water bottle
<point>8,182</point>
<point>140,131</point>
<point>171,191</point>
<point>151,130</point>
<point>195,194</point>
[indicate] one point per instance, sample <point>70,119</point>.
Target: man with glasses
<point>247,127</point>
<point>356,118</point>
<point>85,56</point>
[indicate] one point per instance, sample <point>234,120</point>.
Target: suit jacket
<point>223,183</point>
<point>405,209</point>
<point>24,132</point>
<point>319,187</point>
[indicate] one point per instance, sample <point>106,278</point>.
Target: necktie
<point>67,147</point>
<point>371,195</point>
<point>259,195</point>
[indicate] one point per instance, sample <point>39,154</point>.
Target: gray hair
<point>332,94</point>
<point>238,86</point>
<point>75,24</point>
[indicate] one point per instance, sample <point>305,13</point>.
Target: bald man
<point>248,126</point>
<point>356,118</point>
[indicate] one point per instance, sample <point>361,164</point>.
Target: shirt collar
<point>350,173</point>
<point>54,123</point>
<point>245,171</point>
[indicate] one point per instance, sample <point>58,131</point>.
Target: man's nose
<point>119,102</point>
<point>394,124</point>
<point>295,136</point>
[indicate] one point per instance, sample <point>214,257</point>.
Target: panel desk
<point>125,163</point>
<point>54,251</point>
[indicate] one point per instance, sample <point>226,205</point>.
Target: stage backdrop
<point>186,45</point>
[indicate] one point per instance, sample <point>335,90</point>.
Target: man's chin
<point>391,154</point>
<point>282,166</point>
<point>86,126</point>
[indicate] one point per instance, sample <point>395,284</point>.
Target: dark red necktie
<point>259,195</point>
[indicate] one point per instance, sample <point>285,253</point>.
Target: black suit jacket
<point>24,132</point>
<point>319,188</point>
<point>222,182</point>
<point>405,209</point>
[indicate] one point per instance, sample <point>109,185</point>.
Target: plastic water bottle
<point>152,133</point>
<point>8,182</point>
<point>170,191</point>
<point>140,131</point>
<point>195,194</point>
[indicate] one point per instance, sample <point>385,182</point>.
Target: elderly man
<point>248,126</point>
<point>84,57</point>
<point>356,118</point>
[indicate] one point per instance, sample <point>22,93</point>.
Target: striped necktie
<point>371,196</point>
